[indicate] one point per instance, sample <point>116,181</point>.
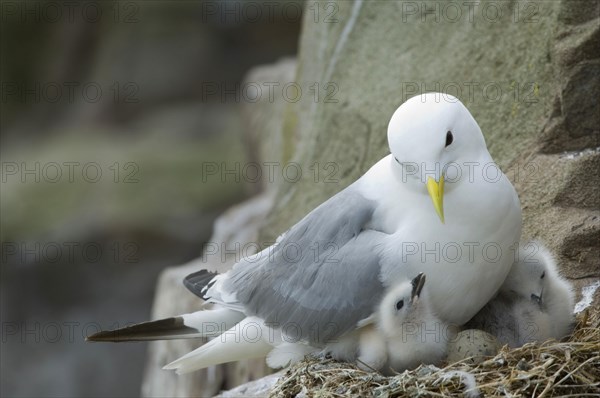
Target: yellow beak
<point>436,191</point>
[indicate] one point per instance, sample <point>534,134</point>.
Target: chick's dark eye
<point>399,305</point>
<point>449,138</point>
<point>543,275</point>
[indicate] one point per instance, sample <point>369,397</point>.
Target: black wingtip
<point>198,281</point>
<point>168,328</point>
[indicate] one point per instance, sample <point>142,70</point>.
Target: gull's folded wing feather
<point>325,267</point>
<point>198,282</point>
<point>207,323</point>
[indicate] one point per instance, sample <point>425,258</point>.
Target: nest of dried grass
<point>570,368</point>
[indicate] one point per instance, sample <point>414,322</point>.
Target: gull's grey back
<point>325,267</point>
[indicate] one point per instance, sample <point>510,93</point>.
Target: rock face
<point>527,71</point>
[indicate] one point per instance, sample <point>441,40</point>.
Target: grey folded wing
<point>321,279</point>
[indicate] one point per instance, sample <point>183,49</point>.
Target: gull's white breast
<point>467,258</point>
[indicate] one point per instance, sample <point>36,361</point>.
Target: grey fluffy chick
<point>406,332</point>
<point>534,304</point>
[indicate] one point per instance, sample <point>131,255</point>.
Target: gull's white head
<point>403,304</point>
<point>431,134</point>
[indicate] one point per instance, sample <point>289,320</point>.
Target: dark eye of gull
<point>399,305</point>
<point>543,275</point>
<point>449,138</point>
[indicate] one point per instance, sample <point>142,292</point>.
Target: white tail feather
<point>211,323</point>
<point>248,339</point>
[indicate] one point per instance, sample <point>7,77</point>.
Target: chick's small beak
<point>436,192</point>
<point>537,299</point>
<point>417,285</point>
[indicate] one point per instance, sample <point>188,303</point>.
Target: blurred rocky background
<point>111,115</point>
<point>528,72</point>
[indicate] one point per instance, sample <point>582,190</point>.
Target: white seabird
<point>534,304</point>
<point>431,206</point>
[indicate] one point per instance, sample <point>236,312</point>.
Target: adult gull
<point>437,204</point>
